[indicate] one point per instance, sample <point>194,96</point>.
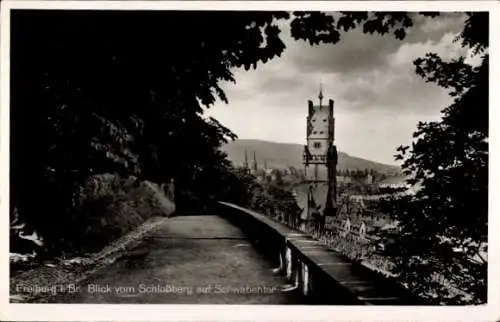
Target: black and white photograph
<point>282,156</point>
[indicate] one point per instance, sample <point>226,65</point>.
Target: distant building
<point>351,205</point>
<point>245,162</point>
<point>394,182</point>
<point>254,168</point>
<point>344,179</point>
<point>397,182</point>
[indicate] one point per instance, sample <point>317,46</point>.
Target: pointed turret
<point>254,163</point>
<point>320,96</point>
<point>245,163</point>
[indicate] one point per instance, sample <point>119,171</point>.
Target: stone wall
<point>322,275</point>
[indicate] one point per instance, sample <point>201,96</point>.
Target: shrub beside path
<point>49,278</point>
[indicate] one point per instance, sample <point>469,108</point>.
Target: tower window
<point>315,132</point>
<point>320,132</point>
<point>324,120</point>
<point>317,145</point>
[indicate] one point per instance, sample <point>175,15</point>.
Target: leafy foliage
<point>273,198</point>
<point>93,93</point>
<point>445,224</point>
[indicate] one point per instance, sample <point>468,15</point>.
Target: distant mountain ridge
<point>283,155</point>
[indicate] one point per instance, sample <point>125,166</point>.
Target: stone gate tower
<point>320,163</point>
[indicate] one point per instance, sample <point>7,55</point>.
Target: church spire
<point>254,162</point>
<point>320,96</point>
<point>245,164</point>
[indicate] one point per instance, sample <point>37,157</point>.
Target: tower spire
<point>245,165</point>
<point>320,96</point>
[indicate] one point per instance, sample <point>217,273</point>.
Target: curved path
<point>189,260</point>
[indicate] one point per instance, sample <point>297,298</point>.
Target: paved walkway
<point>188,260</point>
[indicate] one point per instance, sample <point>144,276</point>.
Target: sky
<point>378,97</point>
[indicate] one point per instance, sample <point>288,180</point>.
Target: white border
<point>144,312</point>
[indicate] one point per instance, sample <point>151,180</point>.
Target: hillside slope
<point>282,155</point>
